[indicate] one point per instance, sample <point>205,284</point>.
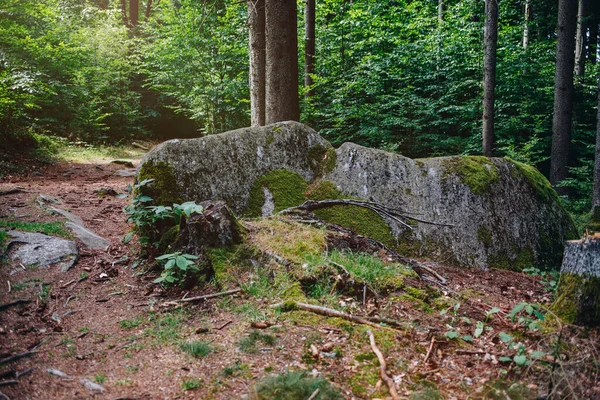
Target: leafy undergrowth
<point>485,335</point>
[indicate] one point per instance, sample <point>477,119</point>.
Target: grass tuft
<point>196,349</point>
<point>293,386</point>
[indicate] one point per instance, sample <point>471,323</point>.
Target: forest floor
<point>105,322</point>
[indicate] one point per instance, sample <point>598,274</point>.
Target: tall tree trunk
<point>134,12</point>
<point>563,92</point>
<point>256,28</point>
<point>596,194</point>
<point>489,74</point>
<point>309,47</point>
<point>124,12</point>
<point>581,38</point>
<point>526,27</point>
<point>440,11</point>
<point>148,10</point>
<point>281,95</point>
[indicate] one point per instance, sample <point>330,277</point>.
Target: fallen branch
<point>382,367</point>
<point>13,303</point>
<point>17,357</point>
<point>314,394</point>
<point>208,296</point>
<point>429,350</point>
<point>328,312</point>
<point>10,382</point>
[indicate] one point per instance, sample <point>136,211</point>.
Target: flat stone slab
<point>70,216</point>
<point>87,237</point>
<point>41,250</point>
<point>126,172</point>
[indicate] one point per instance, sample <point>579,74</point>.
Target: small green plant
<point>190,383</point>
<point>100,378</point>
<point>130,324</point>
<point>527,315</point>
<point>235,369</point>
<point>177,267</point>
<point>166,327</point>
<point>521,356</point>
<point>548,279</point>
<point>124,382</point>
<point>196,349</point>
<point>293,386</point>
<point>132,369</point>
<point>248,344</point>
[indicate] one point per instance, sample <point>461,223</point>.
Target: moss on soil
<point>164,190</point>
<point>577,299</point>
<point>477,172</point>
<point>287,188</point>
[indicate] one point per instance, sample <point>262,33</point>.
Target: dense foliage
<point>389,74</point>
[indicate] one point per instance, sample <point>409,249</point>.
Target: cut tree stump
<point>578,293</point>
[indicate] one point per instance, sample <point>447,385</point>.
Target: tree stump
<point>578,294</point>
<point>214,227</point>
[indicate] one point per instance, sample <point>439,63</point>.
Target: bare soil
<point>105,321</point>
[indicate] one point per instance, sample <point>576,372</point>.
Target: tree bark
<point>134,12</point>
<point>441,8</point>
<point>593,40</point>
<point>581,37</point>
<point>148,10</point>
<point>281,94</point>
<point>489,74</point>
<point>526,27</point>
<point>563,93</point>
<point>124,12</point>
<point>596,194</point>
<point>309,47</point>
<point>256,30</point>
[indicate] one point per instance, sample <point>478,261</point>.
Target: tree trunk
<point>578,293</point>
<point>526,27</point>
<point>148,10</point>
<point>581,38</point>
<point>124,12</point>
<point>563,92</point>
<point>596,194</point>
<point>256,30</point>
<point>309,47</point>
<point>440,11</point>
<point>489,74</point>
<point>134,12</point>
<point>281,95</point>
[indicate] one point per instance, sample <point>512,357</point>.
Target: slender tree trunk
<point>581,38</point>
<point>593,42</point>
<point>489,74</point>
<point>596,194</point>
<point>309,47</point>
<point>563,92</point>
<point>526,27</point>
<point>148,10</point>
<point>281,95</point>
<point>440,11</point>
<point>134,12</point>
<point>124,12</point>
<point>256,28</point>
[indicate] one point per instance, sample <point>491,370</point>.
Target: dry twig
<point>208,296</point>
<point>382,367</point>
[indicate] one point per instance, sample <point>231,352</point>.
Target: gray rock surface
<point>41,250</point>
<point>225,166</point>
<point>75,219</point>
<point>87,237</point>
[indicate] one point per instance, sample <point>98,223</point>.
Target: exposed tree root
<point>382,367</point>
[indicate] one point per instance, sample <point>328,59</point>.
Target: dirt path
<point>102,322</point>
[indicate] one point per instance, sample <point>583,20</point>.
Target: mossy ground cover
<point>478,173</point>
<point>47,228</point>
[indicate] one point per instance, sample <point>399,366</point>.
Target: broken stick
<point>382,367</point>
<point>328,312</point>
<point>208,296</point>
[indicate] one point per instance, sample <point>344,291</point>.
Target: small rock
<point>70,216</point>
<point>126,172</point>
<point>105,191</point>
<point>42,250</point>
<point>328,346</point>
<point>87,237</point>
<point>92,386</point>
<point>59,373</point>
<point>314,351</point>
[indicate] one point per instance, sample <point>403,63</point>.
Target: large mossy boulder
<point>503,213</point>
<point>226,166</point>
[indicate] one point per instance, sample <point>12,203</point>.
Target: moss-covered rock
<point>284,188</point>
<point>477,172</point>
<point>164,188</point>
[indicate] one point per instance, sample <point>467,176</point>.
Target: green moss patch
<point>477,172</point>
<point>525,258</point>
<point>360,220</point>
<point>47,228</point>
<point>287,188</point>
<point>164,190</point>
<point>542,187</point>
<point>578,299</point>
<point>322,159</point>
<point>484,235</point>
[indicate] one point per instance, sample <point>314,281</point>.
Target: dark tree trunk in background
<point>134,12</point>
<point>309,47</point>
<point>526,27</point>
<point>489,74</point>
<point>148,10</point>
<point>440,11</point>
<point>592,53</point>
<point>124,12</point>
<point>581,38</point>
<point>596,195</point>
<point>563,92</point>
<point>256,28</point>
<point>281,95</point>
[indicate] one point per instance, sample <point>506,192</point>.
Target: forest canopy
<point>400,75</point>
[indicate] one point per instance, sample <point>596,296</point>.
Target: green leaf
<point>451,335</point>
<point>143,199</point>
<point>121,195</point>
<point>516,309</point>
<point>159,279</point>
<point>538,354</point>
<point>144,183</point>
<point>539,315</point>
<point>529,309</point>
<point>505,337</point>
<point>520,360</point>
<point>170,278</point>
<point>165,256</point>
<point>127,238</point>
<point>467,338</point>
<point>504,359</point>
<point>533,325</point>
<point>494,310</point>
<point>170,264</point>
<point>182,263</point>
<point>190,256</point>
<point>479,329</point>
<point>466,320</point>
